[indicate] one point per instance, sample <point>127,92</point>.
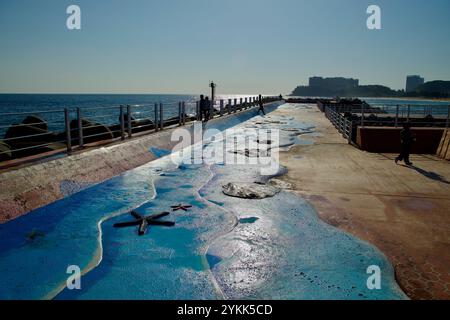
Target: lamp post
<point>213,86</point>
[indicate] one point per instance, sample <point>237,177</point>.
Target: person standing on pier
<point>261,105</point>
<point>207,109</point>
<point>407,139</point>
<point>203,108</point>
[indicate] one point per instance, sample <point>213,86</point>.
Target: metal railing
<point>346,118</point>
<point>341,123</point>
<point>55,131</point>
<point>393,115</point>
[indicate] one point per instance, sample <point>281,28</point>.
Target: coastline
<point>380,98</point>
<point>411,98</point>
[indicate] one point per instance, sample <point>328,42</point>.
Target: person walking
<point>407,140</point>
<point>261,105</point>
<point>203,108</point>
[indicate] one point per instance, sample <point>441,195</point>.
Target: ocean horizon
<point>104,108</point>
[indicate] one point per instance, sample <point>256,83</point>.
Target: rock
<point>5,151</point>
<point>92,131</point>
<point>136,126</point>
<point>36,121</point>
<point>139,125</point>
<point>27,133</point>
<point>249,190</point>
<point>32,136</point>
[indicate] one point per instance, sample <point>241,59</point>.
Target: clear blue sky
<point>246,46</point>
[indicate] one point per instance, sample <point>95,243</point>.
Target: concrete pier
<point>404,211</point>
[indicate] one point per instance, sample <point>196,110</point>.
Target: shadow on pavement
<point>429,174</point>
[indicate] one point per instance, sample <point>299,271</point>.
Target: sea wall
<point>36,185</point>
<point>387,139</point>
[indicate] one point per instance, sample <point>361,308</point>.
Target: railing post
<point>235,105</point>
<point>245,105</point>
<point>211,109</point>
<point>447,124</point>
<point>122,123</point>
<point>156,117</point>
<point>240,104</point>
<point>197,110</point>
<point>183,112</point>
<point>396,115</point>
<point>350,131</point>
<point>362,115</point>
<point>180,120</point>
<point>80,128</point>
<point>221,107</point>
<point>68,135</point>
<point>129,121</point>
<point>161,116</point>
<point>229,106</point>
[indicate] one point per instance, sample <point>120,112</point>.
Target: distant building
<point>412,82</point>
<point>335,83</point>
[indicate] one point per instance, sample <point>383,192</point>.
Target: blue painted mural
<point>223,247</point>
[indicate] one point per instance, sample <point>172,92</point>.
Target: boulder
<point>142,125</point>
<point>32,132</point>
<point>136,125</point>
<point>5,151</point>
<point>249,190</point>
<point>92,131</point>
<point>36,121</point>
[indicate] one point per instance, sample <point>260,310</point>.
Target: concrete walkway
<point>403,211</point>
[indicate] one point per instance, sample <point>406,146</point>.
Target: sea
<point>100,108</point>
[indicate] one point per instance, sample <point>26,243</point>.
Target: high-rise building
<point>412,82</point>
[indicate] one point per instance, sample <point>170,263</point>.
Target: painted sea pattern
<point>222,248</point>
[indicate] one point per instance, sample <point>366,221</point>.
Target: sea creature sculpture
<point>181,207</point>
<point>145,221</point>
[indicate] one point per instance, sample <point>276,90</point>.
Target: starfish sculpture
<point>181,207</point>
<point>145,222</point>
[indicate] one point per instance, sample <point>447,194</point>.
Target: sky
<point>245,46</point>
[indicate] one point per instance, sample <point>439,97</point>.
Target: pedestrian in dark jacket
<point>407,140</point>
<point>261,105</point>
<point>203,109</point>
<point>207,109</point>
